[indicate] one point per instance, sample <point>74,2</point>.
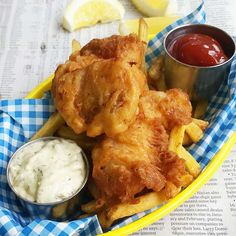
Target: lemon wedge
<point>155,25</point>
<point>151,7</point>
<point>83,13</point>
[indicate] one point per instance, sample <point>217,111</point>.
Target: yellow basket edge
<point>206,174</point>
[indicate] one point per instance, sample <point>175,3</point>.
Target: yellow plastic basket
<point>206,174</point>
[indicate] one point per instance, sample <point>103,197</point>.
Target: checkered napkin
<point>21,118</point>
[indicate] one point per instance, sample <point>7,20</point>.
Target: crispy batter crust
<point>138,158</point>
<point>126,164</point>
<point>97,90</point>
<point>129,48</point>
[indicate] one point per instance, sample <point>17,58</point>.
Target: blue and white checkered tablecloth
<point>21,118</point>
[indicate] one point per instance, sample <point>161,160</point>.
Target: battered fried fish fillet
<point>97,90</point>
<point>129,48</point>
<point>138,158</point>
<point>121,164</point>
<point>100,98</point>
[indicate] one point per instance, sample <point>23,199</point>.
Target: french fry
<point>176,138</point>
<point>187,141</point>
<point>171,190</point>
<point>191,164</point>
<point>201,123</point>
<point>92,188</point>
<point>143,35</point>
<point>146,202</point>
<point>59,210</point>
<point>75,46</point>
<point>175,145</point>
<point>84,216</point>
<point>143,30</point>
<point>200,109</point>
<point>66,132</point>
<point>156,74</point>
<point>54,122</point>
<point>89,207</point>
<point>72,203</point>
<point>121,210</point>
<point>194,132</point>
<point>186,180</point>
<point>161,83</point>
<point>156,68</point>
<point>93,206</point>
<point>81,139</point>
<point>104,221</point>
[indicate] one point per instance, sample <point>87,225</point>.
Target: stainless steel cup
<point>198,81</point>
<point>44,210</point>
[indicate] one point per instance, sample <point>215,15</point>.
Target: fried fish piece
<point>129,162</point>
<point>97,90</point>
<point>65,86</point>
<point>100,98</point>
<point>138,158</point>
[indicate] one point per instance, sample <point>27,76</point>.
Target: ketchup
<point>197,50</point>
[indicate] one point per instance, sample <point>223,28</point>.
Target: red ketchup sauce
<point>197,50</point>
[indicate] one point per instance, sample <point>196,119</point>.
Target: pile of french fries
<point>180,137</point>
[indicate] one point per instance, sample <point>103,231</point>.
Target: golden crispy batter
<point>65,86</point>
<point>138,158</point>
<point>129,162</point>
<point>99,98</point>
<point>97,90</point>
<point>172,107</point>
<point>129,48</point>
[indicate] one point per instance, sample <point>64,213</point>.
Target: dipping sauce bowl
<point>46,173</point>
<point>200,82</point>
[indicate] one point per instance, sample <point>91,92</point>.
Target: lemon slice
<point>155,25</point>
<point>83,13</point>
<point>151,7</point>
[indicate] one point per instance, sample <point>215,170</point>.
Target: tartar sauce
<point>47,171</point>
